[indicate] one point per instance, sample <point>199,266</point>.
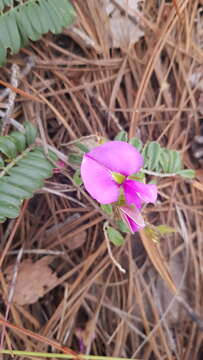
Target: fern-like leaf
<point>30,20</point>
<point>27,168</point>
<point>160,159</point>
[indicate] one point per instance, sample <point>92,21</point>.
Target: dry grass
<point>91,90</point>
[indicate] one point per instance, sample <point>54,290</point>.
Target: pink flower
<point>132,217</point>
<point>105,171</point>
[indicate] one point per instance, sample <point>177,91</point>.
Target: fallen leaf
<point>34,280</point>
<point>77,241</point>
<point>123,24</point>
<point>154,252</point>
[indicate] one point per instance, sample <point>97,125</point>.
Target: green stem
<point>154,173</point>
<point>59,356</point>
<point>15,161</point>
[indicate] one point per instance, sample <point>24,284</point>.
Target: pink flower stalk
<point>105,171</point>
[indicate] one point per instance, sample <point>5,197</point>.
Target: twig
<point>22,74</point>
<point>109,249</point>
<point>37,252</point>
<point>11,293</point>
<point>105,108</point>
<point>40,338</point>
<point>11,96</point>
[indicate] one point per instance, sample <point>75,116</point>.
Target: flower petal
<point>118,156</point>
<point>135,192</point>
<point>98,181</point>
<point>146,192</point>
<point>130,193</point>
<point>132,225</point>
<point>132,217</point>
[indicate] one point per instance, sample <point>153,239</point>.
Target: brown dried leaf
<point>157,259</point>
<point>34,280</point>
<point>123,30</point>
<point>77,240</point>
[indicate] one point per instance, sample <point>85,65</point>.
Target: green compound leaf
<point>162,160</point>
<point>77,178</point>
<point>32,162</point>
<point>187,173</point>
<point>75,159</point>
<point>137,143</point>
<point>38,154</point>
<point>122,136</point>
<point>4,3</point>
<point>122,226</point>
<point>29,20</point>
<point>27,170</point>
<point>8,147</point>
<point>30,132</point>
<point>107,208</point>
<point>164,229</point>
<point>115,236</point>
<point>1,162</point>
<point>16,142</point>
<point>10,200</point>
<point>27,183</point>
<point>8,210</point>
<point>13,190</point>
<point>24,173</point>
<point>153,154</point>
<point>139,176</point>
<point>19,140</point>
<point>175,162</point>
<point>82,147</point>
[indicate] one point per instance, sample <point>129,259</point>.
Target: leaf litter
<point>97,88</point>
<point>34,280</point>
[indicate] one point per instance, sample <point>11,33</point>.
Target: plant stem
<point>154,173</point>
<point>59,356</point>
<point>15,161</point>
<point>109,249</point>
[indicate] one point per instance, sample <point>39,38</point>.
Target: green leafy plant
<point>158,161</point>
<point>29,21</point>
<point>161,160</point>
<point>157,158</point>
<point>115,236</point>
<point>24,167</point>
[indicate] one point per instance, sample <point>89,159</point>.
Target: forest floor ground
<point>67,288</point>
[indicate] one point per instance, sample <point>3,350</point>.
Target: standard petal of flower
<point>130,193</point>
<point>118,156</point>
<point>133,218</point>
<point>98,181</point>
<point>144,192</point>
